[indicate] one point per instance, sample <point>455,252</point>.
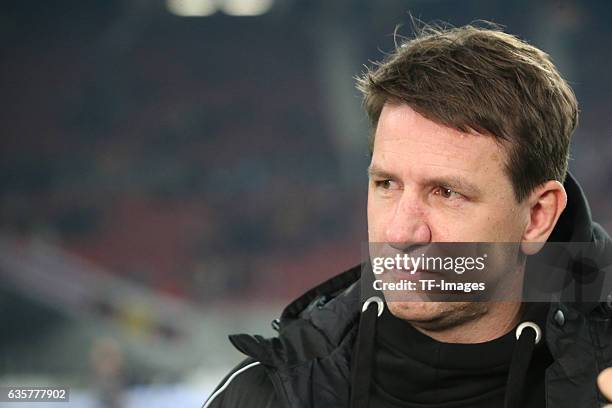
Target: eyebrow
<point>375,171</point>
<point>452,182</point>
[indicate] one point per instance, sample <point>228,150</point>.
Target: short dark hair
<point>482,79</point>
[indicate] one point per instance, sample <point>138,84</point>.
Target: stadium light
<point>246,7</point>
<point>192,8</point>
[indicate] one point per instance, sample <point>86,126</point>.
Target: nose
<point>408,227</point>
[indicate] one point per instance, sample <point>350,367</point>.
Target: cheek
<point>480,225</point>
<point>503,226</point>
<point>450,226</point>
<point>379,215</point>
<point>374,215</point>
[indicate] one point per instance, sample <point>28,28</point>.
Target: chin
<point>436,316</point>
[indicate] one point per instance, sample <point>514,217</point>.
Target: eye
<point>384,184</point>
<point>447,193</point>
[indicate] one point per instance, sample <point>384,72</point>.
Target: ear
<point>545,204</point>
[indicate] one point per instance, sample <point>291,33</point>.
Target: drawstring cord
<point>521,357</point>
<point>361,373</point>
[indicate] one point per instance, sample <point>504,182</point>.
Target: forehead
<point>407,141</point>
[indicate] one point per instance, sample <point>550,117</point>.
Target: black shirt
<point>413,370</point>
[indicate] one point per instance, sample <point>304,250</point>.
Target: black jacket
<point>311,361</point>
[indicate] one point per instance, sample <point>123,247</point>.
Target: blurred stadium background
<point>173,171</point>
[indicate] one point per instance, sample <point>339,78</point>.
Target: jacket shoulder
<point>247,385</point>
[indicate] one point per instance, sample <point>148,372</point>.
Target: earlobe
<point>547,202</point>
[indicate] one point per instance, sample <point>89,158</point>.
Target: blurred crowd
<point>174,163</point>
<point>197,156</point>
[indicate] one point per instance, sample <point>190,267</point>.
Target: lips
<point>419,272</point>
<point>414,275</point>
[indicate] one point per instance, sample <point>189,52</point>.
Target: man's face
<point>430,183</point>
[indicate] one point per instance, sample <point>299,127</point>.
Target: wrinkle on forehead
<point>400,128</point>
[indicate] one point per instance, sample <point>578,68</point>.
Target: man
<point>471,134</point>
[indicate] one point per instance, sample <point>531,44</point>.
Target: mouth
<point>418,274</point>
